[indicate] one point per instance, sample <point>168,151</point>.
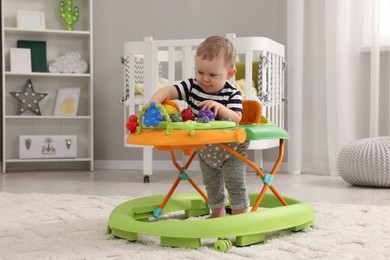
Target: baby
<point>210,90</point>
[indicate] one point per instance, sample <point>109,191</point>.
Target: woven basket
<point>366,162</point>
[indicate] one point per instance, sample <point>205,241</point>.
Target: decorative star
<point>28,99</point>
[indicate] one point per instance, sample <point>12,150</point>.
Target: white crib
<point>146,62</point>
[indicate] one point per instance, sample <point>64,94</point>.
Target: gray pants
<point>230,173</point>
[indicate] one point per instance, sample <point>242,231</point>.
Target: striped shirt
<point>190,92</point>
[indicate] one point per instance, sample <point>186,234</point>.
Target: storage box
<point>47,146</point>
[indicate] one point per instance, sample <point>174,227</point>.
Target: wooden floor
<point>305,187</point>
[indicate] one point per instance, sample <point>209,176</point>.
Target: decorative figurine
<point>68,14</point>
<point>28,99</point>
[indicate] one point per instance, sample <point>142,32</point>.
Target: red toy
<point>132,124</point>
<point>187,114</point>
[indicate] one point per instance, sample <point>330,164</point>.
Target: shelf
<point>47,74</point>
<point>50,160</point>
<point>49,117</point>
<point>58,42</point>
<point>48,32</point>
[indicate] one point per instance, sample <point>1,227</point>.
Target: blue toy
<point>152,116</point>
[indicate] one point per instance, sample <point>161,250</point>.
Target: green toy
<point>136,217</point>
<point>69,16</point>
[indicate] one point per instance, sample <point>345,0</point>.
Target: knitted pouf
<point>366,162</point>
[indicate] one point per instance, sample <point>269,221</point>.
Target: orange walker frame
<point>183,175</point>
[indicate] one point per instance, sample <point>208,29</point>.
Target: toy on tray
<point>166,116</point>
<point>132,124</point>
<point>142,216</point>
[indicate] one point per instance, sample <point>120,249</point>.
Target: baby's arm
<point>221,111</point>
<point>168,92</point>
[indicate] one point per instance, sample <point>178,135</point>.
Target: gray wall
<point>118,21</point>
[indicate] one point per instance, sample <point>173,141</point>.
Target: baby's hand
<point>210,105</point>
<point>220,111</point>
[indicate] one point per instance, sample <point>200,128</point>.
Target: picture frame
<point>20,60</point>
<point>30,20</point>
<point>67,102</point>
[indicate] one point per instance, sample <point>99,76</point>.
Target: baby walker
<point>139,216</point>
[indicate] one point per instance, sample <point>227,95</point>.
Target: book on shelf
<point>38,54</point>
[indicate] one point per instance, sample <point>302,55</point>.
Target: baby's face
<point>211,75</point>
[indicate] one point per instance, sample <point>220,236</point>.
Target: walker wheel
<point>230,243</point>
<point>222,245</point>
<point>146,179</point>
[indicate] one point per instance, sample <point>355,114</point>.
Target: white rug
<point>43,226</point>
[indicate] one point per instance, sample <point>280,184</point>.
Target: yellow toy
<point>171,107</point>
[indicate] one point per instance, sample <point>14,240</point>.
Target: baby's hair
<point>214,46</point>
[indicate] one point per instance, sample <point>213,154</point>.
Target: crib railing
<point>271,72</point>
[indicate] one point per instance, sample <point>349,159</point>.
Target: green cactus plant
<point>70,16</point>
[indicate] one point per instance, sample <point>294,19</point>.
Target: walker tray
<point>192,133</point>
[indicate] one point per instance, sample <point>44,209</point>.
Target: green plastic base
<point>250,239</point>
<point>135,217</point>
<point>182,242</point>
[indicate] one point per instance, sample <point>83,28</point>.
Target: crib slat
<point>248,74</point>
<point>171,63</point>
<point>188,63</point>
